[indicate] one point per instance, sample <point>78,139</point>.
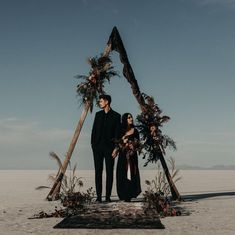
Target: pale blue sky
<point>182,53</point>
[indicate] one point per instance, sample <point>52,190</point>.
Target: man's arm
<point>93,132</point>
<point>117,134</point>
<point>118,127</point>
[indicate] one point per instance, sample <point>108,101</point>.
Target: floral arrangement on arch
<point>149,122</point>
<point>92,85</point>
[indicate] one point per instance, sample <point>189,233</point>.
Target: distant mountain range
<point>188,167</point>
<point>216,167</point>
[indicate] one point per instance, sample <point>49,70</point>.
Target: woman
<point>127,175</point>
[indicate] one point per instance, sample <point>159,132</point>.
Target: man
<point>106,127</point>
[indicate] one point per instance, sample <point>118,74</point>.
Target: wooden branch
<point>174,192</point>
<point>53,194</point>
<point>116,44</point>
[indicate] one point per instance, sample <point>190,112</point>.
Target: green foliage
<point>158,190</point>
<point>149,123</point>
<point>70,193</point>
<point>76,201</point>
<point>159,184</point>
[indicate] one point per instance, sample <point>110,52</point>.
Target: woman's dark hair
<point>124,121</point>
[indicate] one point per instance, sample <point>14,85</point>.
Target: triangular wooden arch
<point>114,44</point>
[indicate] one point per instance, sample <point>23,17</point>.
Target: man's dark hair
<point>106,97</point>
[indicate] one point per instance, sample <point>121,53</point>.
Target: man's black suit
<point>106,127</point>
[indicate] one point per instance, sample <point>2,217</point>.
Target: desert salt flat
<point>213,215</point>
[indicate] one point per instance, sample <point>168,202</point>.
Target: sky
<point>182,53</point>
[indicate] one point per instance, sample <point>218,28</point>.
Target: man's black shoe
<point>107,199</point>
<point>98,199</point>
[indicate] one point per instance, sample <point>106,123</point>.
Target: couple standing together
<point>108,126</point>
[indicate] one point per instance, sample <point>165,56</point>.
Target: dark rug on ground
<point>113,215</point>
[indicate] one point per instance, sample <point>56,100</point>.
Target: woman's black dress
<point>127,175</point>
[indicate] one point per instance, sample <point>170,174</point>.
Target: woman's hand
<point>115,153</point>
<point>131,145</point>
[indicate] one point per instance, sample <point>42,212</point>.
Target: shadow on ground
<point>196,197</point>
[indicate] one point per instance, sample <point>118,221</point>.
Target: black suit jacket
<point>112,128</point>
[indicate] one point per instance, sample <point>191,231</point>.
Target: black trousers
<point>100,153</point>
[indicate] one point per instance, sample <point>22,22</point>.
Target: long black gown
<point>128,185</point>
